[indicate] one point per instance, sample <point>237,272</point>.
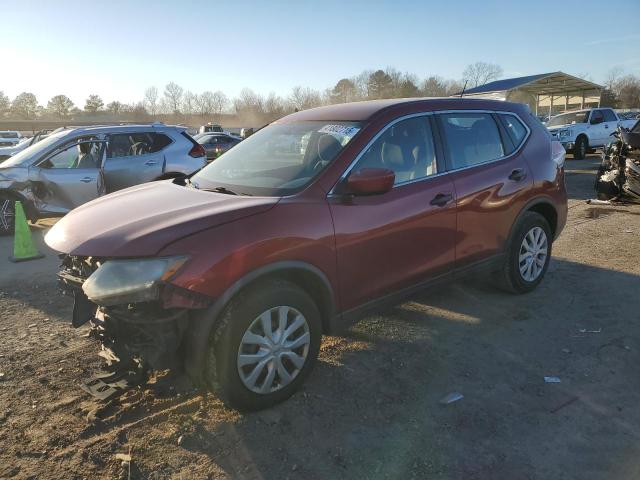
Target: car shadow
<point>371,408</point>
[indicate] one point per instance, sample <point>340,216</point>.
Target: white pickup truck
<point>581,130</point>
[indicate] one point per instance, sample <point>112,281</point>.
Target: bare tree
<point>302,98</point>
<point>188,103</point>
<point>274,106</point>
<point>434,86</point>
<point>480,73</point>
<point>204,103</point>
<point>173,96</point>
<point>219,102</point>
<point>151,100</point>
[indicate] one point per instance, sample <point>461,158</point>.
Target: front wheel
<point>264,345</point>
<point>580,148</point>
<point>528,254</point>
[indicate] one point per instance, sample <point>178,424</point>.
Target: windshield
<point>280,159</point>
<point>33,150</point>
<point>568,119</point>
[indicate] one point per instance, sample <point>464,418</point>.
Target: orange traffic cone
<point>23,247</point>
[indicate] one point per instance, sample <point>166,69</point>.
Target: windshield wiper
<point>224,190</point>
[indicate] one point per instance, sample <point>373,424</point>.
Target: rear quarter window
<point>515,128</point>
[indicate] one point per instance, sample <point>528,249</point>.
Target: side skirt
<point>483,267</point>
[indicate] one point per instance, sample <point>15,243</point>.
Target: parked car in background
<point>235,273</point>
<point>6,152</point>
<point>76,165</point>
<point>210,128</point>
<point>215,144</point>
<point>582,130</point>
<point>9,138</point>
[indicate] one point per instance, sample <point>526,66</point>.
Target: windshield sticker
<point>343,130</point>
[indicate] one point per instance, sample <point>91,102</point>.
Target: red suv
<point>234,274</point>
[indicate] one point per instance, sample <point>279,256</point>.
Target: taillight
<point>558,153</point>
<point>197,151</point>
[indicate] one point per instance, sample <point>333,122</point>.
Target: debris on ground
<point>551,380</point>
<point>564,404</point>
<point>452,397</point>
<point>124,457</point>
<point>584,330</point>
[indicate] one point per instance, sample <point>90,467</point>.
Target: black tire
<point>221,370</point>
<point>7,215</point>
<point>509,277</point>
<point>580,148</point>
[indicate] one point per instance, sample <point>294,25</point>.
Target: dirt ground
<point>371,408</point>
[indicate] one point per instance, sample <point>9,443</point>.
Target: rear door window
<point>609,116</point>
<point>138,143</point>
<point>471,138</point>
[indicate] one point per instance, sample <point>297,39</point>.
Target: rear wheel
<point>580,148</point>
<point>7,215</point>
<point>528,254</point>
<point>263,346</point>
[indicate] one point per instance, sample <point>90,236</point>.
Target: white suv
<point>9,138</point>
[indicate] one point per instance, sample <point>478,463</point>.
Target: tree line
<point>176,104</point>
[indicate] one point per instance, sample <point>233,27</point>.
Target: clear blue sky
<point>118,48</point>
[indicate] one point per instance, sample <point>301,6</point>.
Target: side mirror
<point>370,181</point>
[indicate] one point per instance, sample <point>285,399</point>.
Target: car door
<point>597,128</point>
<point>610,124</point>
<point>491,179</point>
<point>393,240</point>
<point>131,160</point>
<point>69,177</point>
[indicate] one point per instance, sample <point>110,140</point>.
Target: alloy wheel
<point>533,254</point>
<point>273,350</point>
<point>7,214</point>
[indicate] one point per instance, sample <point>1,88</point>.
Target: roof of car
<point>126,128</point>
<point>363,111</point>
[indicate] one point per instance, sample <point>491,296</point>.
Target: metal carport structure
<point>556,90</point>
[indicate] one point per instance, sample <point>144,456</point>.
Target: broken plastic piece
<point>452,397</point>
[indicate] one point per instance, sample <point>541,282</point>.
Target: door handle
<point>606,126</point>
<point>518,174</point>
<point>441,199</point>
<point>86,180</point>
<point>150,162</point>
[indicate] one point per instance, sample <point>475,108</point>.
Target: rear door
<point>405,236</point>
<point>610,124</point>
<point>131,160</point>
<point>491,179</point>
<point>69,177</point>
<point>597,128</point>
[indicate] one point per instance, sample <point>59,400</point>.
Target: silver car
<point>73,166</point>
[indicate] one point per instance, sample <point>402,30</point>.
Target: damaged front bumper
<point>134,337</point>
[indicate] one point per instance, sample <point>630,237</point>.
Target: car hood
<point>141,220</point>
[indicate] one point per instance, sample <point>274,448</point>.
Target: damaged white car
<point>76,165</point>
